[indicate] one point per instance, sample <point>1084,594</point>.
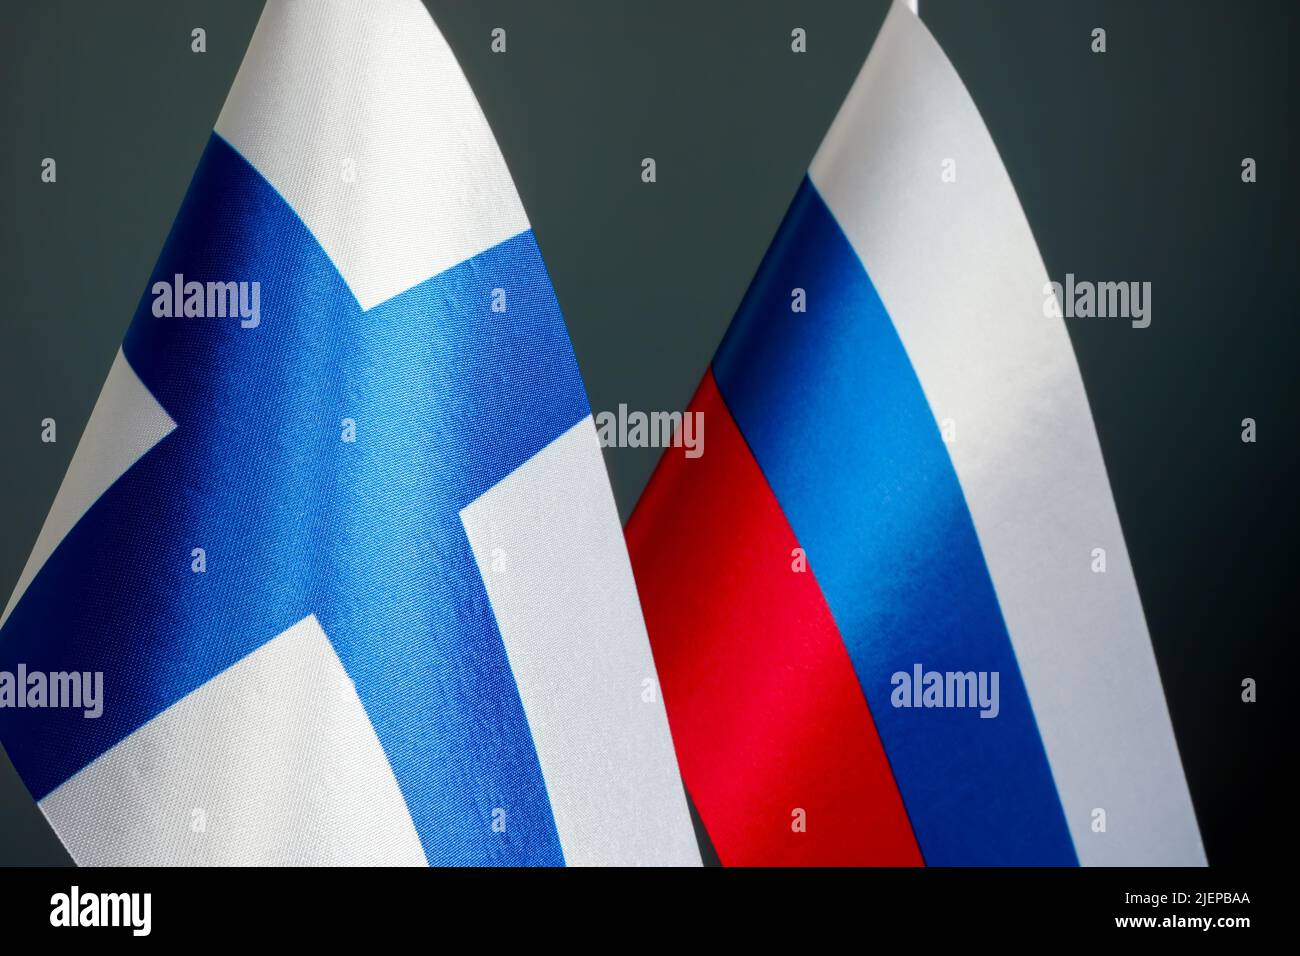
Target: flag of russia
<point>875,602</point>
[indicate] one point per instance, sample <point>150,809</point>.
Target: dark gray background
<point>1127,165</point>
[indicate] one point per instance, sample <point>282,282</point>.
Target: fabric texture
<point>271,572</point>
<point>925,433</point>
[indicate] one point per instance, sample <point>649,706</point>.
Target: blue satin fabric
<point>838,422</point>
<point>448,398</point>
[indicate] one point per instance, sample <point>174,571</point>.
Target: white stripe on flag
<point>360,116</point>
<point>274,762</point>
<point>957,268</point>
<point>548,544</point>
<point>124,424</point>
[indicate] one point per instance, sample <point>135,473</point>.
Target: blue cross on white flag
<point>338,535</point>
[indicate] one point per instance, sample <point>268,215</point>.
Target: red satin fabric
<point>764,705</point>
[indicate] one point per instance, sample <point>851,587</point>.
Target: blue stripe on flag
<point>448,399</point>
<point>838,421</point>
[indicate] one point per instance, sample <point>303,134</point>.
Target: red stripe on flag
<point>764,705</point>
